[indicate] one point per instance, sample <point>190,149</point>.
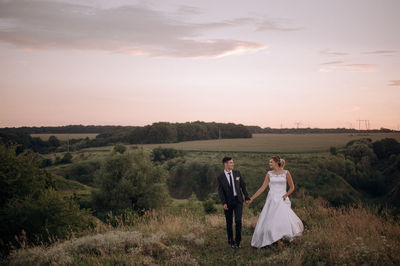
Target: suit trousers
<point>235,207</point>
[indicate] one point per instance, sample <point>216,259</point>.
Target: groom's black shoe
<point>231,243</point>
<point>237,245</point>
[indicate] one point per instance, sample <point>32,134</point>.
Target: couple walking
<point>277,220</point>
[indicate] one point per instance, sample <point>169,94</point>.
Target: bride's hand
<point>285,196</point>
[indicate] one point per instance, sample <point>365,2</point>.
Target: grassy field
<point>66,136</point>
<point>270,143</point>
<point>183,234</point>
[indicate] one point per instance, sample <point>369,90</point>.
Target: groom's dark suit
<point>235,204</point>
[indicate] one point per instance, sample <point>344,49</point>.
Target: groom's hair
<point>226,159</point>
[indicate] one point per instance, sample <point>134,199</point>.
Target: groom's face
<point>229,165</point>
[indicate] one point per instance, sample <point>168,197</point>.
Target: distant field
<point>275,142</point>
<point>66,136</point>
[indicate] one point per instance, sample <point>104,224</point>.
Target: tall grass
<point>183,234</point>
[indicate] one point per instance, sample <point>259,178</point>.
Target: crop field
<point>272,143</point>
<point>66,136</point>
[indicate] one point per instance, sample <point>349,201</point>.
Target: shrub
<point>67,158</point>
<point>129,181</point>
<point>200,178</point>
<point>164,154</point>
<point>45,163</point>
<point>29,203</point>
<point>386,147</point>
<point>209,206</point>
<point>120,148</point>
<point>333,150</point>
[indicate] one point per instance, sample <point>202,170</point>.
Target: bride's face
<point>272,164</point>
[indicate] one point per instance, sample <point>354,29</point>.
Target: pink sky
<point>266,63</point>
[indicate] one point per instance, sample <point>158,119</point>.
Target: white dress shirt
<point>229,181</point>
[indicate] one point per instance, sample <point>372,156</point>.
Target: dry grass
<point>129,247</point>
<point>351,236</point>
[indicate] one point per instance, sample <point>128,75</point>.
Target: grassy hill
<point>354,232</point>
<point>184,235</point>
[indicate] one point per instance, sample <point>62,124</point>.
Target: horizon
<point>267,127</point>
<point>273,64</point>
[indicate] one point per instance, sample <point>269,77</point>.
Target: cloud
<point>382,52</point>
<point>189,10</point>
<point>272,26</point>
<point>332,53</point>
<point>360,67</point>
<point>135,30</point>
<point>395,83</point>
<point>332,65</point>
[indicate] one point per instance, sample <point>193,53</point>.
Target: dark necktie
<point>232,183</point>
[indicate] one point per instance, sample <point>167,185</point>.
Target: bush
<point>120,148</point>
<point>129,181</point>
<point>209,206</point>
<point>45,163</point>
<point>200,178</point>
<point>357,151</point>
<point>29,203</point>
<point>164,154</point>
<point>67,158</point>
<point>386,147</point>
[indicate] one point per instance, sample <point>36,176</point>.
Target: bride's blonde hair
<point>283,162</point>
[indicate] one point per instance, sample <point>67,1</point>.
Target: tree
<point>67,158</point>
<point>28,202</point>
<point>195,177</point>
<point>54,141</point>
<point>120,148</point>
<point>163,154</point>
<point>386,147</point>
<point>130,181</point>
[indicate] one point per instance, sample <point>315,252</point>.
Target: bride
<point>277,220</point>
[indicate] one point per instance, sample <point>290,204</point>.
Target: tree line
<point>268,130</point>
<point>162,132</point>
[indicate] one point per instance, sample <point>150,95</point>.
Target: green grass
<point>270,143</point>
<point>182,234</point>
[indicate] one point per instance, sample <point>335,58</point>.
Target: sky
<point>312,63</point>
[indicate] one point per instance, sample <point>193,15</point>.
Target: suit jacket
<point>225,191</point>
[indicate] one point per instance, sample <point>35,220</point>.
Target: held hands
<point>248,202</point>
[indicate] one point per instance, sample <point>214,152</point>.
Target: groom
<point>232,199</point>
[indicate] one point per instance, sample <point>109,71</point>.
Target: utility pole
<point>365,122</point>
<point>359,124</point>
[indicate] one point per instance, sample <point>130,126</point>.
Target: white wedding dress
<point>277,220</point>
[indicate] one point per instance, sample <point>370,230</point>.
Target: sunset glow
<point>268,63</point>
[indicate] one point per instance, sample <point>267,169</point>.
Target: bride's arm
<point>261,189</point>
<point>291,185</point>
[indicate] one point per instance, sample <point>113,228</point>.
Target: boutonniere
<point>237,178</point>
